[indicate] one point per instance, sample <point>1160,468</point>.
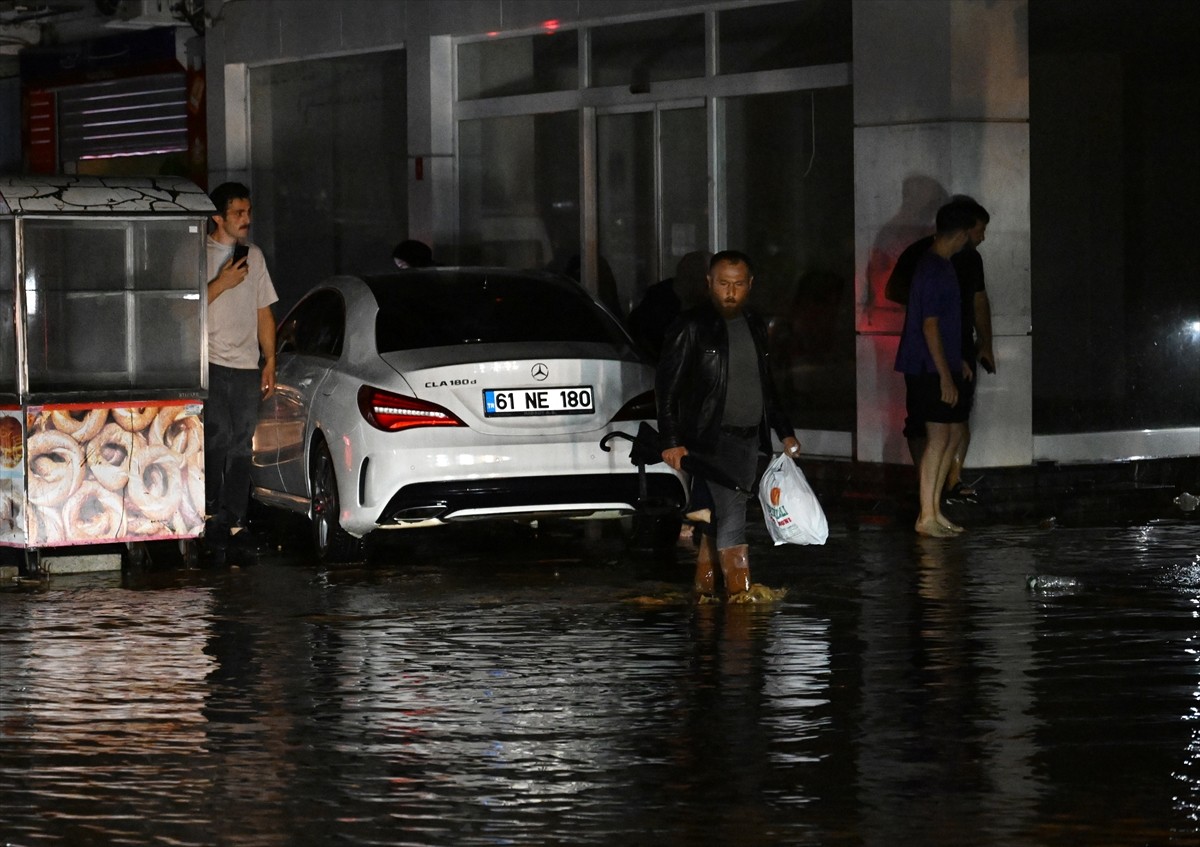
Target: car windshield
<point>441,308</point>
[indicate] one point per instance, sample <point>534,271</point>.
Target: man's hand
<point>266,343</point>
<point>988,359</point>
<point>231,276</point>
<point>967,373</point>
<point>949,391</point>
<point>268,378</point>
<point>673,456</point>
<point>791,447</point>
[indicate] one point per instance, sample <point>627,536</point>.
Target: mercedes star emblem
<point>540,372</point>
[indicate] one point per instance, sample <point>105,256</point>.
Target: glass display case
<point>102,359</point>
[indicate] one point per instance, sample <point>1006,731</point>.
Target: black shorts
<point>923,402</point>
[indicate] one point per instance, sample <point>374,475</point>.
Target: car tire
<point>332,543</point>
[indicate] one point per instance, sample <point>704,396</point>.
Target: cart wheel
<point>33,561</point>
<point>136,554</point>
<point>189,551</point>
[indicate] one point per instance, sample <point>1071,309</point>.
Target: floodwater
<point>484,688</point>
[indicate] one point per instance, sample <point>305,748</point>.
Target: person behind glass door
<point>663,301</point>
<point>412,254</point>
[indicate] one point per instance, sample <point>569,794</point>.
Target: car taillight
<point>640,408</point>
<point>394,412</point>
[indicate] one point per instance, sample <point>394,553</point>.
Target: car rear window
<point>440,308</point>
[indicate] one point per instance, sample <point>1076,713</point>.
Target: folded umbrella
<point>646,451</point>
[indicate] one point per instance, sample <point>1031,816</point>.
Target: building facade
<point>610,138</point>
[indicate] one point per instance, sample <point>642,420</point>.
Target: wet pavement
<point>483,687</point>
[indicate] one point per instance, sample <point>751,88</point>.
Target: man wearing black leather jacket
<point>716,400</point>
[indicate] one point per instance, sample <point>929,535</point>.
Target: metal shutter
<point>124,117</point>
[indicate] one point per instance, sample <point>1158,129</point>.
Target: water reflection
<point>1187,800</point>
<point>906,691</point>
<point>101,696</point>
<point>933,706</point>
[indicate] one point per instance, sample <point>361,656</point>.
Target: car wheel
<point>333,544</point>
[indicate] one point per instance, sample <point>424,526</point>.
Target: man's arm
<point>983,325</point>
<point>933,339</point>
<point>777,420</point>
<point>266,342</point>
<point>667,380</point>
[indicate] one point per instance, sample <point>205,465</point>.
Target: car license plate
<point>572,400</point>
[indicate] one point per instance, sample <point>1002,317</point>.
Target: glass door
<point>651,197</point>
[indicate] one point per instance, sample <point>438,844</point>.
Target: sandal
<point>962,492</point>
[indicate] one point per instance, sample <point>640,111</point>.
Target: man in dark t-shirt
<point>976,331</point>
<point>935,372</point>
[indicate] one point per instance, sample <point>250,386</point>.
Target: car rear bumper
<point>579,496</point>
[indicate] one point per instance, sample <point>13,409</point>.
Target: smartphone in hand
<point>240,252</point>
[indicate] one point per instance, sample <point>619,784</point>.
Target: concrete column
<point>941,107</point>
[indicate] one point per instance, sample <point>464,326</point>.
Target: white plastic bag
<point>789,506</point>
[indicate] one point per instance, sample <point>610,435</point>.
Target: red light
<point>550,25</point>
<point>395,412</point>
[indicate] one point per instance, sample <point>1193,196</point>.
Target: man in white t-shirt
<point>241,333</point>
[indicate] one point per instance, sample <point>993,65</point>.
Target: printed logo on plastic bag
<point>778,511</point>
<point>791,510</point>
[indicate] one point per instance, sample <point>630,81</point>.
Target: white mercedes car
<point>439,395</point>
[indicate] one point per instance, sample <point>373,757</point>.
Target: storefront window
<point>636,249</point>
<point>790,183</point>
<point>784,35</point>
<point>1115,301</point>
<point>683,148</point>
<point>508,66</point>
<point>329,167</point>
<point>637,54</point>
<point>625,194</point>
<point>519,191</point>
<point>782,182</point>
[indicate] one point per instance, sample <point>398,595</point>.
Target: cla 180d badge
<point>445,382</point>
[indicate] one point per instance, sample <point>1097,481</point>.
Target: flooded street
<point>484,688</point>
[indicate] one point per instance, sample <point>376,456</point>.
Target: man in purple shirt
<point>930,357</point>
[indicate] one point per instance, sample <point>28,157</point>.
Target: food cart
<point>102,361</point>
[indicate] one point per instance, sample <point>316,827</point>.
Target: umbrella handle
<point>641,468</point>
<point>610,436</point>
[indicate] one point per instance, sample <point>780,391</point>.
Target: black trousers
<point>230,416</point>
<point>737,456</point>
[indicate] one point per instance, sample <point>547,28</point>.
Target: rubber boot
<point>735,568</point>
<point>706,563</point>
